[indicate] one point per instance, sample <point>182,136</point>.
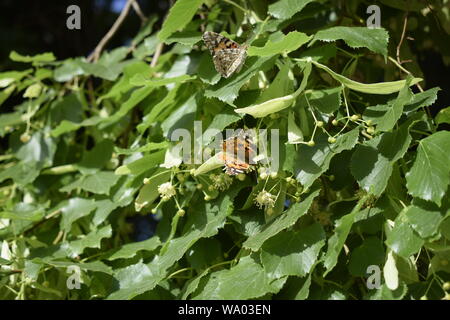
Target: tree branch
<point>99,48</point>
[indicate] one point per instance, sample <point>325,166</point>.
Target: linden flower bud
<point>207,198</point>
<point>334,122</point>
<point>265,199</point>
<point>241,177</point>
<point>166,190</point>
<point>146,180</point>
<point>446,286</point>
<point>370,130</point>
<point>154,210</point>
<point>274,175</point>
<point>221,181</point>
<point>25,137</point>
<point>192,172</point>
<point>199,186</point>
<point>289,180</point>
<point>355,117</point>
<point>331,139</point>
<point>332,177</point>
<point>319,124</point>
<point>181,212</point>
<point>311,143</point>
<point>369,122</point>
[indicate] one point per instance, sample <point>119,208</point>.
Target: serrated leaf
<point>370,252</point>
<point>91,240</point>
<point>311,162</point>
<point>141,165</point>
<point>375,40</point>
<point>179,16</point>
<point>246,280</point>
<point>424,217</point>
<point>402,239</point>
<point>99,183</point>
<point>288,43</point>
<point>283,221</point>
<point>337,240</point>
<point>75,209</point>
<point>209,218</point>
<point>292,253</point>
<point>227,89</point>
<point>284,9</point>
<point>386,116</point>
<point>129,250</point>
<point>443,116</point>
<point>429,177</point>
<point>43,57</point>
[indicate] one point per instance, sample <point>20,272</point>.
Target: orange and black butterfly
<point>238,152</point>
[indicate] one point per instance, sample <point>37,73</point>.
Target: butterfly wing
<point>227,61</point>
<point>228,55</point>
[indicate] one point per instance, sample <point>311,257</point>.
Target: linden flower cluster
<point>166,190</point>
<point>265,199</point>
<point>221,181</point>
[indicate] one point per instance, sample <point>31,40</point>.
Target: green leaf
<point>99,183</point>
<point>372,162</point>
<point>443,116</point>
<point>141,165</point>
<point>421,100</point>
<point>94,159</point>
<point>429,177</point>
<point>386,116</point>
<point>288,43</point>
<point>68,70</point>
<point>149,192</point>
<point>136,97</point>
<point>129,250</point>
<point>33,91</point>
<point>370,252</point>
<point>371,88</point>
<point>43,57</point>
<point>95,266</point>
<point>375,40</point>
<point>292,253</point>
<point>227,90</point>
<point>402,239</point>
<point>284,9</point>
<point>209,217</point>
<point>326,100</point>
<point>424,217</point>
<point>141,80</point>
<point>187,38</point>
<point>179,16</point>
<point>68,126</point>
<point>285,220</point>
<point>311,162</point>
<point>337,240</point>
<point>9,77</point>
<point>246,280</point>
<point>74,209</point>
<point>91,240</point>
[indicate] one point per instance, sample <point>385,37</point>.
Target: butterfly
<point>228,55</point>
<point>237,151</point>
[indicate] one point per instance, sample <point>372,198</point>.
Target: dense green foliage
<point>363,177</point>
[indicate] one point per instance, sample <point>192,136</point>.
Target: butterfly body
<point>237,153</point>
<point>228,55</point>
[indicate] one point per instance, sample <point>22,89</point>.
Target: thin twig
<point>158,52</point>
<point>405,71</point>
<point>138,11</point>
<point>405,22</point>
<point>98,49</point>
